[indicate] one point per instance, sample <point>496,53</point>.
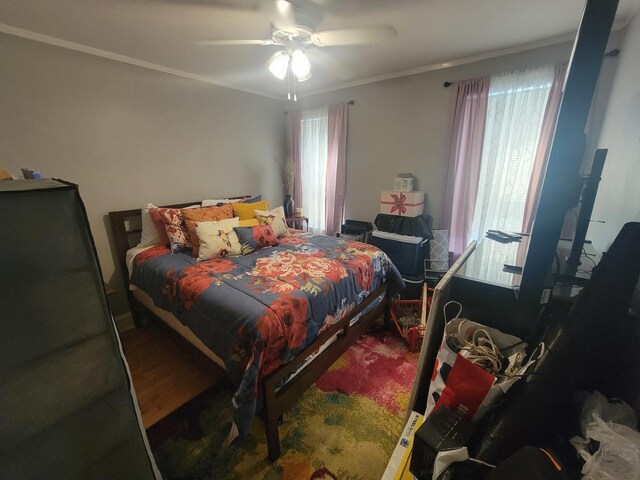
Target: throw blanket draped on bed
<point>257,311</point>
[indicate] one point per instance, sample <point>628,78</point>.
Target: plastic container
<point>406,316</point>
<point>413,287</point>
<point>406,252</point>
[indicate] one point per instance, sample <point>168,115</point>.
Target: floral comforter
<point>257,311</point>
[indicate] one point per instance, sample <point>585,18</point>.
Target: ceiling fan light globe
<point>305,78</point>
<point>300,64</point>
<point>279,65</point>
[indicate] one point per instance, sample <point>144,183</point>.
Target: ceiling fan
<point>293,28</point>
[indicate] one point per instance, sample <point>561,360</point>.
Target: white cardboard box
<point>404,204</point>
<point>398,466</point>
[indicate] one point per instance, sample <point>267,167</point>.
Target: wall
<point>129,136</point>
<point>618,199</point>
<point>404,125</point>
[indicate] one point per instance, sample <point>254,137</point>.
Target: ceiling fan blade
<point>354,36</point>
<point>226,42</point>
<point>232,4</point>
<point>240,6</point>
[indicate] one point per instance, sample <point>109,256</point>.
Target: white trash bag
<point>618,456</point>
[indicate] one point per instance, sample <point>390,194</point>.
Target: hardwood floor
<point>167,372</point>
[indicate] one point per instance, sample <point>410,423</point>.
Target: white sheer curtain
<point>515,110</point>
<point>313,166</point>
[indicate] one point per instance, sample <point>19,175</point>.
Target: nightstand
<point>294,221</point>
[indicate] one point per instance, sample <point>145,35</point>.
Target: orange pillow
<point>246,211</point>
<point>204,214</point>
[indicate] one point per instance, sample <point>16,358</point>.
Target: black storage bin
<point>356,230</point>
<point>415,226</point>
<point>413,287</point>
<point>407,253</point>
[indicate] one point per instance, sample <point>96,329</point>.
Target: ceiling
<point>166,33</point>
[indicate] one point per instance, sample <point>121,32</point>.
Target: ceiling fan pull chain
<point>295,96</point>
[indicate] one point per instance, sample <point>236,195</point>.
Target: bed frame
<point>126,229</point>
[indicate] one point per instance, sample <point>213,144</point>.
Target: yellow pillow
<point>246,211</point>
<point>249,223</point>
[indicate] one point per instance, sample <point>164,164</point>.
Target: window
<point>313,166</point>
<point>515,111</point>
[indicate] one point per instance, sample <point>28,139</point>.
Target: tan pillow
<point>275,218</point>
<point>246,211</point>
<point>217,239</point>
<point>204,214</point>
<point>249,223</point>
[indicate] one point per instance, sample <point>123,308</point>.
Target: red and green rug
<point>344,427</point>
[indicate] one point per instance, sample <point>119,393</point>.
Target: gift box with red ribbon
<point>404,204</point>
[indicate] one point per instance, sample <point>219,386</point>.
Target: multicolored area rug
<point>344,427</point>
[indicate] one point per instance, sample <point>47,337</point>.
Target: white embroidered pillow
<point>275,218</point>
<point>217,238</point>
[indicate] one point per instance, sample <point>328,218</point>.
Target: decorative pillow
<point>217,239</point>
<point>150,235</point>
<point>176,229</point>
<point>254,238</point>
<point>249,223</point>
<point>256,199</point>
<point>275,218</point>
<point>157,220</point>
<point>192,216</point>
<point>246,211</point>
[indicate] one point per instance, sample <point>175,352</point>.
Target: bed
<point>274,319</point>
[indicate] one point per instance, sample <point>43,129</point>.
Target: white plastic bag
<point>618,456</point>
<point>597,405</point>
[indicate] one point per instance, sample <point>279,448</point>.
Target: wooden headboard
<point>126,227</point>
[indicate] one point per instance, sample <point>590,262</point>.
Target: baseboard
<point>124,322</point>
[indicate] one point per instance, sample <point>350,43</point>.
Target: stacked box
<point>405,204</point>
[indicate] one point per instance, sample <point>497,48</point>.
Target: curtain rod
<point>350,102</point>
<point>611,53</point>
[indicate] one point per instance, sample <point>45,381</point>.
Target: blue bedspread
<point>257,311</point>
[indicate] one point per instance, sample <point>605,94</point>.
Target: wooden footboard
<point>277,401</point>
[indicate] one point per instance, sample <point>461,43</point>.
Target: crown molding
<point>58,42</point>
<point>440,66</point>
<point>460,61</point>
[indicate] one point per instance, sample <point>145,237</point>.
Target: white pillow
<point>150,235</point>
<point>275,218</point>
<point>218,239</point>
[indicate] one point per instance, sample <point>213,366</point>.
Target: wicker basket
<point>406,316</point>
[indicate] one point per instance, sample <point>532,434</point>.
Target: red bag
<point>465,386</point>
